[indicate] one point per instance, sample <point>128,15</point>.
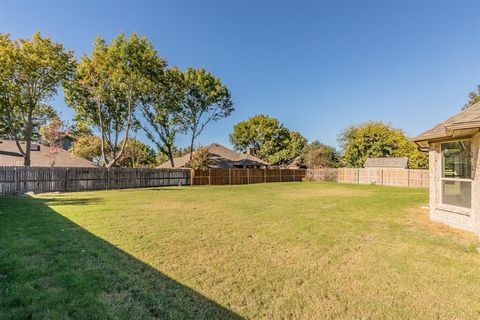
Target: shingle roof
<point>221,157</point>
<point>392,162</point>
<point>10,156</point>
<point>464,121</point>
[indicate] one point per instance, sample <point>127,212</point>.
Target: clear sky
<point>318,66</point>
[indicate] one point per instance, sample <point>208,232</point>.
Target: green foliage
<point>473,97</point>
<point>200,159</point>
<point>137,155</point>
<point>162,110</point>
<point>377,139</point>
<point>268,139</point>
<point>319,155</point>
<point>31,71</point>
<point>108,87</point>
<point>88,147</point>
<point>206,100</point>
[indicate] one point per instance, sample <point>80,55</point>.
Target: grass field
<point>291,250</point>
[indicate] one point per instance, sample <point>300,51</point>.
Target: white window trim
<point>451,207</point>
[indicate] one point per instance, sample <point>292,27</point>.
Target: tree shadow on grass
<point>51,267</point>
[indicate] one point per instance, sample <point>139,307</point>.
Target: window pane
<point>457,193</point>
<point>456,159</point>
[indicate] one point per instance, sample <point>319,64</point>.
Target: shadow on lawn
<point>51,267</point>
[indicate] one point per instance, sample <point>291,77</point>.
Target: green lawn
<point>291,250</point>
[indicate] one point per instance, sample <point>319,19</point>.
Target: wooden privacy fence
<point>15,180</point>
<point>245,176</point>
<point>387,177</point>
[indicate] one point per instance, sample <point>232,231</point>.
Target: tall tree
<point>109,86</point>
<point>162,111</point>
<point>473,97</point>
<point>267,138</point>
<point>377,139</point>
<point>206,100</point>
<point>31,70</point>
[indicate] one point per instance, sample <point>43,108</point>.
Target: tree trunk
<point>28,139</point>
<point>191,145</point>
<point>170,156</point>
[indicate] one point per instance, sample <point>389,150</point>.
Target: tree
<point>200,159</point>
<point>292,148</point>
<point>31,70</point>
<point>137,155</point>
<point>108,87</point>
<point>377,139</point>
<point>88,147</point>
<point>206,100</point>
<point>473,97</point>
<point>267,138</point>
<point>319,155</point>
<point>52,135</point>
<point>162,112</point>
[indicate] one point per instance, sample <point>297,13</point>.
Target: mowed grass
<point>290,250</point>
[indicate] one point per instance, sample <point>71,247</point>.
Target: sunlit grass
<point>291,250</point>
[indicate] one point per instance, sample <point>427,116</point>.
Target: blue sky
<point>317,66</point>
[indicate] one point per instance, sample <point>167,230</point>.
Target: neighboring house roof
<point>295,163</point>
<point>220,157</point>
<point>462,124</point>
<point>392,162</point>
<point>10,156</point>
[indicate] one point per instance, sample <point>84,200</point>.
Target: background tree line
<point>274,143</point>
<point>122,87</point>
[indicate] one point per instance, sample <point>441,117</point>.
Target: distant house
<point>454,150</point>
<point>391,162</point>
<point>40,156</point>
<point>295,163</point>
<point>221,157</point>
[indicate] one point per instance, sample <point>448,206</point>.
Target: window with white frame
<point>457,173</point>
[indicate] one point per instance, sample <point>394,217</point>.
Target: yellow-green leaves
<point>31,71</point>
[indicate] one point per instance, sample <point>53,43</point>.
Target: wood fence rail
<point>417,178</point>
<point>17,180</point>
<point>245,176</point>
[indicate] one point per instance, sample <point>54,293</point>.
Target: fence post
<point>209,177</point>
<point>15,180</point>
<point>381,179</point>
<point>265,174</point>
<point>66,179</point>
<point>230,176</point>
<point>248,176</point>
<point>408,178</point>
<point>280,174</point>
<point>294,174</point>
<point>358,176</point>
<point>107,184</point>
<point>140,178</point>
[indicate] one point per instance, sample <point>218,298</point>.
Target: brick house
<point>454,164</point>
